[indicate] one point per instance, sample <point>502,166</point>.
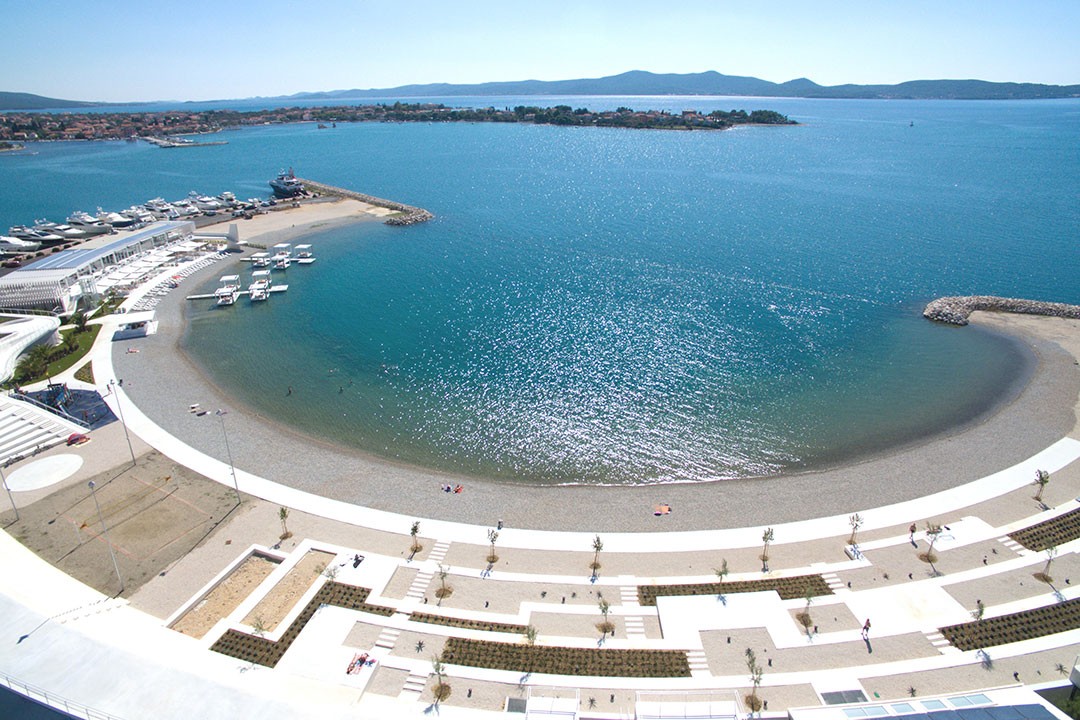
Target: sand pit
<point>226,596</point>
<point>283,597</point>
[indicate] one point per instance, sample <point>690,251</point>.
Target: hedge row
<point>597,662</point>
<point>1023,625</point>
<point>789,588</point>
<point>468,624</point>
<point>1050,533</point>
<point>261,651</point>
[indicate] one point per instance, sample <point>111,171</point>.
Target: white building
<point>58,282</point>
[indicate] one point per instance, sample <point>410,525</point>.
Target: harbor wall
<point>409,215</point>
<point>956,310</point>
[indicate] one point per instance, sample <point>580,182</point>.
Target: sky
<point>123,50</point>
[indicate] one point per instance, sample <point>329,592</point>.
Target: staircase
<point>26,429</point>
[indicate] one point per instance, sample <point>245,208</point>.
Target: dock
<point>408,215</point>
<point>164,142</point>
<point>212,296</point>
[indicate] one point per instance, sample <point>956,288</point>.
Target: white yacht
<point>88,223</point>
<point>27,233</point>
<point>205,203</point>
<point>14,246</point>
<point>139,214</point>
<point>117,220</point>
<point>185,208</point>
<point>65,231</point>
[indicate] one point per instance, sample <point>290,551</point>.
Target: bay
<point>615,306</point>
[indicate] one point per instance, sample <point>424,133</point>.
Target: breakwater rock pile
<point>956,310</point>
<point>409,215</point>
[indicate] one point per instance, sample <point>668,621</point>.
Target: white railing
<point>54,700</point>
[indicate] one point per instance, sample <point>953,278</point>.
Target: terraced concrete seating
<point>26,429</point>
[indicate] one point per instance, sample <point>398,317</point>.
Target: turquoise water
<point>618,306</point>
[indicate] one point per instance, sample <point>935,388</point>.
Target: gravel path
<point>1042,412</point>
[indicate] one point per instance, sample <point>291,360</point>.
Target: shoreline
<point>1039,414</point>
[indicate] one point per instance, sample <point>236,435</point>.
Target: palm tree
<point>283,515</point>
<point>721,572</point>
<point>766,538</point>
<point>413,532</point>
<point>492,558</point>
<point>597,546</point>
<point>79,321</point>
<point>1041,479</point>
<point>34,363</point>
<point>856,522</point>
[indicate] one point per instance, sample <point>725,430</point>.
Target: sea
<point>613,306</point>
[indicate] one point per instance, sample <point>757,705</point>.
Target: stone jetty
<point>409,215</point>
<point>956,310</point>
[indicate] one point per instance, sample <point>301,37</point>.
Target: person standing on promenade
<point>866,629</point>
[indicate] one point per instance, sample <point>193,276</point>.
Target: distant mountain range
<point>640,82</point>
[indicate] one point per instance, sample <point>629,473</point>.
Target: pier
<point>177,142</point>
<point>409,215</point>
<point>239,293</point>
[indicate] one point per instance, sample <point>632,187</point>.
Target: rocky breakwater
<point>956,310</point>
<point>407,214</point>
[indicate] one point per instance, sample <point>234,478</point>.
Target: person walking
<point>866,629</point>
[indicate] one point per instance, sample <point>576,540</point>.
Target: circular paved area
<point>43,473</point>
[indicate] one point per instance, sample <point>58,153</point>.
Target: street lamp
<point>10,496</point>
<point>112,387</point>
<point>232,468</point>
<point>105,532</point>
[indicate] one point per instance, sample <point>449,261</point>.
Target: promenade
<point>182,541</point>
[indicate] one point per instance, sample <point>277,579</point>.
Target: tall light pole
<point>232,468</point>
<point>10,496</point>
<point>112,387</point>
<point>105,532</point>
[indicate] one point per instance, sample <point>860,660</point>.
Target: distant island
<point>641,82</point>
<point>30,126</point>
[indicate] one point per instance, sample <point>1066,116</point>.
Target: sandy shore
<point>1042,413</point>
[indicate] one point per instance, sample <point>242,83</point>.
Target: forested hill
<point>28,101</point>
<point>639,82</point>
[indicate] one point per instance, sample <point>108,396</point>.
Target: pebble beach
<point>1030,418</point>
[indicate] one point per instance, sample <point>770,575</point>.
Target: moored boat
<point>285,185</point>
<point>14,246</point>
<point>27,233</point>
<point>88,223</point>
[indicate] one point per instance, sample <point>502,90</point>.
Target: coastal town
<point>31,126</point>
